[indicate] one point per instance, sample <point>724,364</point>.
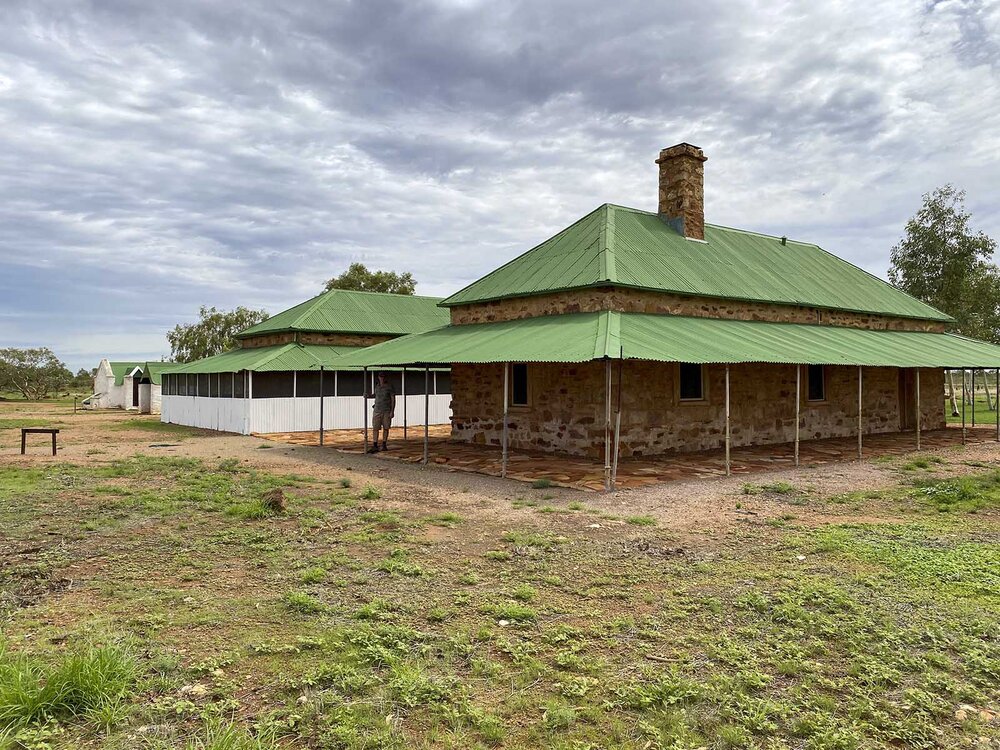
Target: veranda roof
<point>281,358</point>
<point>582,337</point>
<point>121,369</point>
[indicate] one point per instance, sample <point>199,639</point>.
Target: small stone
<point>503,623</point>
<point>218,673</point>
<point>800,558</point>
<point>594,526</point>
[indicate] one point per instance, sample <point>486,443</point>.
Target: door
<point>907,401</point>
<point>135,392</point>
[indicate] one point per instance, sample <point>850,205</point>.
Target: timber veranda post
<point>607,424</point>
<point>402,387</point>
<point>364,402</point>
<point>618,419</point>
<point>321,405</point>
<point>860,430</point>
<point>963,406</point>
<point>917,378</point>
<point>427,408</point>
<point>973,391</point>
<point>503,434</point>
<point>729,468</point>
<point>996,402</point>
<point>798,407</point>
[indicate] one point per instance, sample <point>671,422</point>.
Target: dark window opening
<point>273,385</point>
<point>350,383</point>
<point>519,385</point>
<point>203,387</point>
<point>692,382</point>
<point>226,385</point>
<point>307,383</point>
<point>239,386</point>
<point>182,385</point>
<point>415,383</point>
<point>442,383</point>
<point>816,386</point>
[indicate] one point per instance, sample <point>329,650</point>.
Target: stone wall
<point>326,339</point>
<point>566,411</point>
<point>639,301</point>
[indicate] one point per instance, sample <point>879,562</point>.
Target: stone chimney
<point>682,189</point>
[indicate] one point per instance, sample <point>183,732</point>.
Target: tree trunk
<point>986,387</point>
<point>951,394</point>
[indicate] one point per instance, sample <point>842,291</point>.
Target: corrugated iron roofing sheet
<point>667,338</point>
<point>154,370</point>
<point>621,246</point>
<point>282,358</point>
<point>344,311</point>
<point>121,369</point>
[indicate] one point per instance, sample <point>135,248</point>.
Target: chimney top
<point>682,189</point>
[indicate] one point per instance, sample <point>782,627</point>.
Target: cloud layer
<point>161,156</point>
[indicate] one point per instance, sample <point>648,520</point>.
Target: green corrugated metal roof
<point>281,358</point>
<point>121,369</point>
<point>621,246</point>
<point>155,370</point>
<point>344,311</point>
<point>667,338</point>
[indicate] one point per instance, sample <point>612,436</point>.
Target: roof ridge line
<point>609,260</point>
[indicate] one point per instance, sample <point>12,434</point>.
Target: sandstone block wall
<point>327,339</point>
<point>639,301</point>
<point>566,413</point>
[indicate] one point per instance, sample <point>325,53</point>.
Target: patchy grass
<point>151,424</point>
<point>347,623</point>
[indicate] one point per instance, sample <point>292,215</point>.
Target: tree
<point>942,262</point>
<point>84,378</point>
<point>34,373</point>
<point>360,279</point>
<point>212,334</point>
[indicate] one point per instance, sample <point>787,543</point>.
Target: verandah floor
<point>584,473</point>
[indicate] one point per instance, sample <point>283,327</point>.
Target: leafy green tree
<point>360,279</point>
<point>34,373</point>
<point>84,378</point>
<point>943,262</point>
<point>212,334</point>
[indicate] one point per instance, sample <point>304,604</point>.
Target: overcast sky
<point>160,156</point>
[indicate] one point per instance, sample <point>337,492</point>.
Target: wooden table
<point>39,431</point>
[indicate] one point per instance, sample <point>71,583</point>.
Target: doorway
<point>907,399</point>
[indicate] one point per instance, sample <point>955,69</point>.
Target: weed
<point>542,483</point>
<point>641,520</point>
<point>312,575</point>
<point>371,492</point>
<point>345,482</point>
<point>300,601</point>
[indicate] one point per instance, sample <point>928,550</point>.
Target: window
<point>182,385</point>
<point>692,382</point>
<point>443,383</point>
<point>272,385</point>
<point>816,383</point>
<point>519,385</point>
<point>240,384</point>
<point>225,385</point>
<point>350,383</point>
<point>203,380</point>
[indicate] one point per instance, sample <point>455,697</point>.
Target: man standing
<point>383,410</point>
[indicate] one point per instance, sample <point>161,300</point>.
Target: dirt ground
<point>695,509</point>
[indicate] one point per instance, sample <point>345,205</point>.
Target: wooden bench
<point>39,431</point>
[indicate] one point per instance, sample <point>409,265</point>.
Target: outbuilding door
<point>907,400</point>
<point>135,392</point>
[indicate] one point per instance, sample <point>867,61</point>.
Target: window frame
<point>527,386</point>
<point>824,383</point>
<point>703,371</point>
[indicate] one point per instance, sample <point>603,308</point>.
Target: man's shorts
<point>380,420</point>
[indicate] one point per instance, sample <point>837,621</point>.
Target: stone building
<point>689,335</point>
<point>273,381</point>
